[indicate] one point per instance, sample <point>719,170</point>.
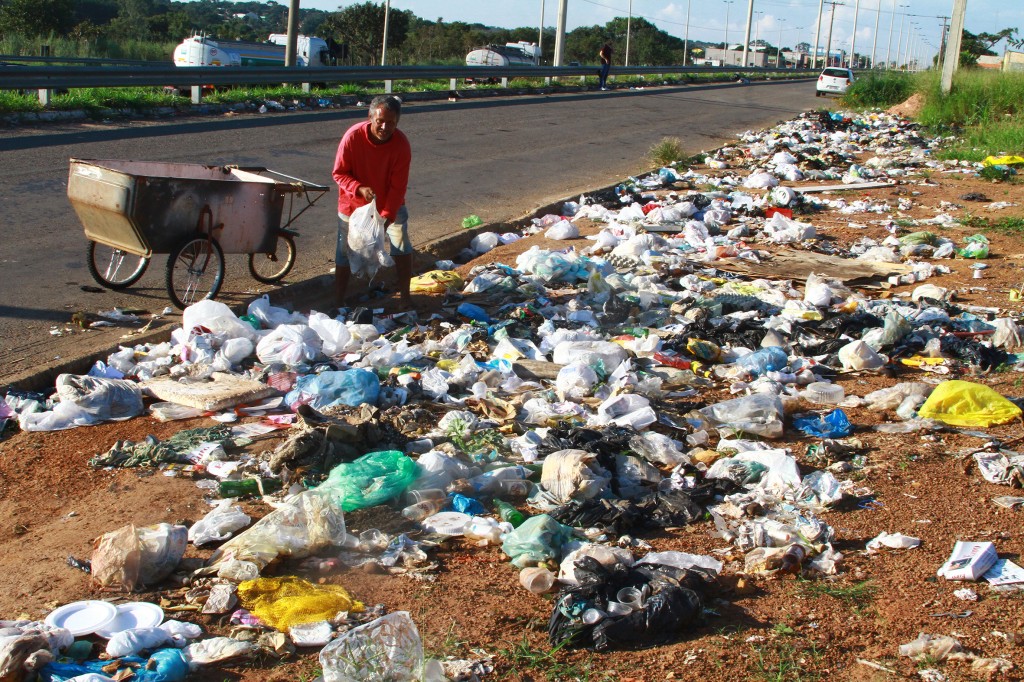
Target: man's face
<point>383,124</point>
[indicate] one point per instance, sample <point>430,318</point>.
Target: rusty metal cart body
<point>196,213</point>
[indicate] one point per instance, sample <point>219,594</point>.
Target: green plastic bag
<point>374,478</point>
<point>963,403</point>
<point>922,237</point>
<point>976,247</point>
<point>538,539</point>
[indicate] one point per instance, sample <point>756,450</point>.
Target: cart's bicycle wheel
<point>114,268</point>
<point>195,270</point>
<point>271,268</point>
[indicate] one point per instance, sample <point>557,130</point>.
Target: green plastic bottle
<point>247,486</point>
<point>509,513</point>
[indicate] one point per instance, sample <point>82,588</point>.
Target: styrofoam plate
<point>82,617</point>
<point>133,614</point>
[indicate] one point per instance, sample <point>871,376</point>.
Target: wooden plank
<point>797,265</point>
<point>839,188</point>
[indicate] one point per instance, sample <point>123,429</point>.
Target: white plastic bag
<point>218,524</point>
<point>333,333</point>
<point>575,381</point>
<point>484,242</point>
<point>563,229</point>
<point>388,648</point>
<point>291,344</point>
<point>272,316</point>
<point>216,317</point>
<point>367,243</point>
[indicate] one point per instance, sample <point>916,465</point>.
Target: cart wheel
<point>271,268</point>
<point>114,268</point>
<point>195,271</point>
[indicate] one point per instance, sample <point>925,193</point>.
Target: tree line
<point>357,30</point>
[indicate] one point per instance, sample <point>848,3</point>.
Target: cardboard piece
<point>221,391</point>
<point>840,188</point>
<point>969,560</point>
<point>797,265</point>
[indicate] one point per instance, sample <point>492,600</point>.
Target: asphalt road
<point>497,158</point>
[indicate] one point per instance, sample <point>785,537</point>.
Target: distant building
<point>734,56</point>
<point>1013,61</point>
<point>990,62</point>
<point>251,17</point>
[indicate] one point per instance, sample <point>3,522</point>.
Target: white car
<point>834,81</point>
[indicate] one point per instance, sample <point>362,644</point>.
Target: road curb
<point>309,294</point>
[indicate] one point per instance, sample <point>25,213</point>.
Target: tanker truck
<point>509,54</point>
<point>204,51</point>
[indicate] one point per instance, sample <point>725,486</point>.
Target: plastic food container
<point>823,393</point>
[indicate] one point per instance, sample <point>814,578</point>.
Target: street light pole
<point>778,53</point>
<point>384,48</point>
<point>817,35</point>
<point>727,3</point>
<point>629,23</point>
<point>874,37</point>
<point>831,23</point>
<point>853,41</point>
<point>900,40</point>
<point>686,36</point>
<point>540,33</point>
<point>746,35</point>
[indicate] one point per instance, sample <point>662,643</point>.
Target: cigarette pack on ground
<point>969,560</point>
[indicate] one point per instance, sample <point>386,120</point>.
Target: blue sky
<point>795,18</point>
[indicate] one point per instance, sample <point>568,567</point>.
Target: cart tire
<point>271,268</point>
<point>114,268</point>
<point>195,271</point>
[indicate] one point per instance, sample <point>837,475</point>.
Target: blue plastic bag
<point>168,666</point>
<point>466,505</point>
<point>473,312</point>
<point>835,424</point>
<point>351,387</point>
<point>771,359</point>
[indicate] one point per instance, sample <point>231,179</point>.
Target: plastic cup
<point>616,608</point>
<point>537,579</point>
<point>631,597</point>
<point>593,616</point>
<point>415,496</point>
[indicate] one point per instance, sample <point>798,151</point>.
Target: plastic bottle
<point>248,486</point>
<point>770,359</point>
<point>421,510</point>
<point>509,513</point>
<point>793,559</point>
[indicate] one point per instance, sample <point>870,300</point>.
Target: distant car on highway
<point>833,81</point>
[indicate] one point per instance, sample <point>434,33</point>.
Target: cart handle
<point>296,182</point>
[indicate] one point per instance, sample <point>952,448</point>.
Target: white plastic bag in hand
<point>367,242</point>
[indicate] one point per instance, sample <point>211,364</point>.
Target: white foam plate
<point>133,614</point>
<point>82,617</point>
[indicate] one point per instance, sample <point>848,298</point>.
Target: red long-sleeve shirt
<point>382,167</point>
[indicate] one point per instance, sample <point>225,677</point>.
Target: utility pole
<point>563,7</point>
<point>956,34</point>
<point>387,17</point>
<point>746,36</point>
<point>293,33</point>
<point>817,36</point>
<point>899,42</point>
<point>831,23</point>
<point>874,37</point>
<point>727,4</point>
<point>686,38</point>
<point>853,40</point>
<point>942,44</point>
<point>629,23</point>
<point>540,33</point>
<point>888,49</point>
<point>778,53</point>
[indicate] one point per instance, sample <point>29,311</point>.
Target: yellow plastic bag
<point>284,602</point>
<point>1003,160</point>
<point>963,403</point>
<point>435,282</point>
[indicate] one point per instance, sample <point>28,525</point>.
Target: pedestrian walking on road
<point>372,164</point>
<point>606,63</point>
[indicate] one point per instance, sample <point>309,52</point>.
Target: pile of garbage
<point>559,408</point>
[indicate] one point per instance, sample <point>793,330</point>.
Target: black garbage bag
<point>668,612</point>
<point>845,324</point>
<point>675,604</point>
<point>669,509</point>
<point>973,352</point>
<point>616,516</point>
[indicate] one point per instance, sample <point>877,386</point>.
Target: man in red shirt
<point>372,164</point>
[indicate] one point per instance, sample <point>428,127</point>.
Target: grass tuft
<point>883,89</point>
<point>667,152</point>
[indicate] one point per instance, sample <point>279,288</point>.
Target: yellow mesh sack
<point>435,282</point>
<point>284,602</point>
<point>963,403</point>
